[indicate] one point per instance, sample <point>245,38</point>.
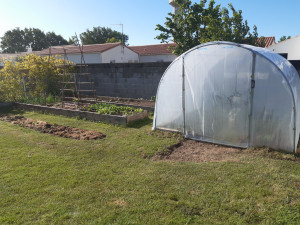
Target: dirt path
<point>57,130</point>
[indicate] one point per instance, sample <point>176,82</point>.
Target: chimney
<point>174,5</point>
<point>29,49</point>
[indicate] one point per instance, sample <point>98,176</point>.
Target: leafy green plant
<point>111,109</point>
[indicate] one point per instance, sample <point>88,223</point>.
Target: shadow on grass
<point>140,123</point>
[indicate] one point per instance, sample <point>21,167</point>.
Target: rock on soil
<point>57,130</point>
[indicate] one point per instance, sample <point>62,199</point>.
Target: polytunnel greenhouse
<point>231,94</point>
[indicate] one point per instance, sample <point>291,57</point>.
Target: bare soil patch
<point>57,130</point>
<point>112,100</point>
<point>128,101</point>
<point>195,151</point>
<point>71,106</point>
<point>124,101</point>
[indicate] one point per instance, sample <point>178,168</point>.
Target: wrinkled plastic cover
<point>206,94</point>
<point>168,110</point>
<point>217,103</point>
<point>290,81</point>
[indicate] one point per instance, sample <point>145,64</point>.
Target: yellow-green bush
<point>30,75</point>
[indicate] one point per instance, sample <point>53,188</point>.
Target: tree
<point>55,40</point>
<point>35,38</point>
<point>100,35</point>
<point>13,41</point>
<point>71,40</point>
<point>17,40</point>
<point>283,38</point>
<point>113,40</point>
<point>197,23</point>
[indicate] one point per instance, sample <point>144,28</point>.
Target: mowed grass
<point>46,179</point>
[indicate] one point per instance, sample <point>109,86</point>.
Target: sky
<point>139,17</point>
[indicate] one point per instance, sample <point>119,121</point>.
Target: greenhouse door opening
<point>218,109</point>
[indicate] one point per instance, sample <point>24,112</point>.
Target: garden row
<point>103,112</point>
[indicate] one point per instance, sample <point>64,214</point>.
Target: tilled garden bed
<point>94,116</point>
<point>140,103</point>
<point>57,130</point>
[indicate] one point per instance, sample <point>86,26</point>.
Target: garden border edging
<point>115,119</point>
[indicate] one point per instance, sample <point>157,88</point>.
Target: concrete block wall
<point>127,80</point>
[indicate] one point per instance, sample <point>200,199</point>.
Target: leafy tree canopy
<point>18,40</point>
<point>113,40</point>
<point>55,40</point>
<point>283,38</point>
<point>197,23</point>
<point>101,35</point>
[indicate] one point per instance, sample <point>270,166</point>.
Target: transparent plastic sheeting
<point>168,110</point>
<point>231,94</point>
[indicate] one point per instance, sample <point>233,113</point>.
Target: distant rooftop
<point>72,49</point>
<point>268,41</point>
<point>158,49</point>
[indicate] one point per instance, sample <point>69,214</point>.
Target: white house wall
<point>90,58</point>
<point>119,54</point>
<point>9,57</point>
<point>157,58</point>
<point>289,46</point>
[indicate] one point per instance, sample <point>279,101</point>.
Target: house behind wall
<point>137,77</point>
<point>154,53</point>
<point>94,54</point>
<point>289,49</point>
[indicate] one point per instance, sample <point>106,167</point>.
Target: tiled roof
<point>72,49</point>
<point>159,49</point>
<point>268,41</point>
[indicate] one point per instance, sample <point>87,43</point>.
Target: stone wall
<point>127,80</point>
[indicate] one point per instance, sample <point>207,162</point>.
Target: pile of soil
<point>57,130</point>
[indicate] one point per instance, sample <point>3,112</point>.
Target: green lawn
<point>46,179</point>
